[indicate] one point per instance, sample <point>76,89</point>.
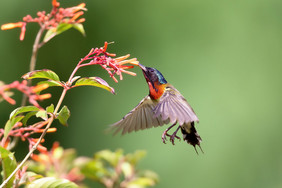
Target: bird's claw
<point>171,137</point>
<point>164,136</point>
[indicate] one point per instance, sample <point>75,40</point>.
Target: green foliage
<point>51,182</point>
<point>28,116</point>
<point>23,109</point>
<point>80,28</point>
<point>9,164</point>
<point>10,123</point>
<point>114,169</point>
<point>32,111</point>
<point>47,165</point>
<point>50,109</point>
<point>51,83</point>
<point>62,28</point>
<point>94,81</point>
<point>111,169</point>
<point>63,115</point>
<point>45,73</point>
<point>42,114</point>
<point>59,168</point>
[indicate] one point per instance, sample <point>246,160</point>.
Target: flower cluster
<point>18,129</point>
<point>30,91</point>
<point>25,132</point>
<point>57,158</point>
<point>51,20</point>
<point>100,56</point>
<point>111,169</point>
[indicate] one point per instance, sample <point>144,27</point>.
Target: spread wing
<point>141,117</point>
<point>173,107</point>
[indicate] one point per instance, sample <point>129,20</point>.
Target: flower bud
<point>12,25</point>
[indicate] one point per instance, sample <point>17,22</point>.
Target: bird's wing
<point>173,106</point>
<point>141,117</point>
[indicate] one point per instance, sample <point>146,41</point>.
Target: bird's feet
<point>171,137</point>
<point>164,136</point>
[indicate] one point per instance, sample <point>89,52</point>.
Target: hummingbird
<point>163,105</point>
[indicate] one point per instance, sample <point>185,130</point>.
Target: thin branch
<point>39,140</point>
<point>33,58</point>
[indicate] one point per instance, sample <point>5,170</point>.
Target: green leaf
<point>54,32</point>
<point>80,28</point>
<point>28,177</point>
<point>23,109</point>
<point>9,164</point>
<point>149,174</point>
<point>96,170</point>
<point>51,182</point>
<point>64,115</point>
<point>44,73</point>
<point>49,34</point>
<point>94,81</point>
<point>51,83</point>
<point>27,116</point>
<point>62,28</point>
<point>142,182</point>
<point>50,109</point>
<point>127,169</point>
<point>10,123</point>
<point>4,153</point>
<point>42,114</point>
<point>109,156</point>
<point>136,156</point>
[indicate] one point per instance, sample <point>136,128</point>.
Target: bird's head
<point>152,75</point>
<point>154,78</point>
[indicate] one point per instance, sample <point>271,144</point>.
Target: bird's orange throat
<point>157,92</point>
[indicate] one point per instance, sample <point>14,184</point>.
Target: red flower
<point>30,91</point>
<point>15,25</point>
<point>12,25</point>
<point>51,20</point>
<point>100,56</point>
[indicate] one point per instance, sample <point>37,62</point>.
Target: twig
<point>33,58</point>
<point>39,140</point>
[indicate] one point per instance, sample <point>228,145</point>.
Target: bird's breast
<point>157,92</point>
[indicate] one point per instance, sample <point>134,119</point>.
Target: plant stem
<point>36,46</point>
<point>39,140</point>
<point>33,58</point>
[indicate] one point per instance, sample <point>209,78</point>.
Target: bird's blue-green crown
<point>161,77</point>
<point>156,75</point>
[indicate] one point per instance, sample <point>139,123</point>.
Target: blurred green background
<point>224,56</point>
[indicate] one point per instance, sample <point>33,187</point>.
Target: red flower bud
<point>23,32</point>
<point>41,148</point>
<point>12,25</point>
<point>39,88</point>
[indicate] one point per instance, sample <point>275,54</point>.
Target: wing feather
<point>141,117</point>
<point>148,117</point>
<point>173,107</point>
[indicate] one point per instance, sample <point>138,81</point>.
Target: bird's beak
<point>145,72</point>
<point>142,67</point>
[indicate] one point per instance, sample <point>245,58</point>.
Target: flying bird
<point>163,105</point>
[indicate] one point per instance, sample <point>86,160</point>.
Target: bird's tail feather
<point>191,136</point>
